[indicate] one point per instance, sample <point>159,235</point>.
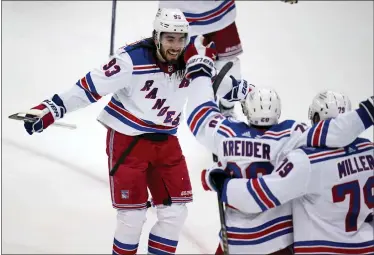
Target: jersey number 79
<point>353,189</point>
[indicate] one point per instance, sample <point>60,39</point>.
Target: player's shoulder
<point>235,128</point>
<point>280,130</point>
<point>320,154</point>
<point>140,52</point>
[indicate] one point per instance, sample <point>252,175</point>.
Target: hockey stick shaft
<point>113,26</point>
<point>222,218</point>
<point>225,69</point>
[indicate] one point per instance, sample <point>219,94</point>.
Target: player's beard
<point>171,56</point>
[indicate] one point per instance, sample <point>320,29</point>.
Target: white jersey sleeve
<point>203,115</point>
<point>289,180</point>
<point>109,78</point>
<point>336,132</point>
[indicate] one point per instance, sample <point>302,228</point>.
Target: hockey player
<point>331,190</point>
<point>246,157</point>
<point>216,21</point>
<point>149,92</point>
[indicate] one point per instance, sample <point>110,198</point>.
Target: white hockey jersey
<point>246,153</point>
<point>332,193</point>
<point>205,17</point>
<point>146,99</point>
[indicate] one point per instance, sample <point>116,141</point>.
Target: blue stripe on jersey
<point>146,72</point>
<point>255,197</point>
<point>264,239</point>
<point>268,192</point>
<point>88,94</point>
<point>90,83</point>
<point>317,160</point>
<point>136,126</point>
<point>222,133</point>
<point>333,244</point>
<point>276,138</point>
<point>261,227</point>
<point>283,126</point>
<point>198,15</point>
<point>193,113</point>
<point>201,120</point>
<point>310,135</point>
<point>210,21</point>
<point>324,132</point>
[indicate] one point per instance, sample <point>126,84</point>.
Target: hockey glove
<point>45,114</point>
<point>199,58</point>
<point>239,91</point>
<point>368,105</point>
<point>214,179</point>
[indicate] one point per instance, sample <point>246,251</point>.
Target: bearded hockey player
<point>149,91</point>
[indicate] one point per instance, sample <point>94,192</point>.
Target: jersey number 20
<point>353,189</point>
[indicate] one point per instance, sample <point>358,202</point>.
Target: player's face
<point>172,45</point>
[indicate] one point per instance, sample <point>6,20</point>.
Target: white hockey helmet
<point>328,104</point>
<point>262,107</point>
<point>170,21</point>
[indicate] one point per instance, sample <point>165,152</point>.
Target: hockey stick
<point>113,27</point>
<point>222,73</point>
<point>222,218</point>
<point>17,116</point>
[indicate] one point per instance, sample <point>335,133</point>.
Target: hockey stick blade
<point>222,73</point>
<point>18,116</point>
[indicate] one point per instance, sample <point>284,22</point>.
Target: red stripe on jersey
<point>85,85</point>
<point>317,134</point>
<point>218,12</point>
<point>197,117</point>
<point>135,119</point>
<point>227,130</point>
<point>325,154</point>
<point>260,192</point>
<point>145,67</point>
<point>262,233</point>
<point>276,134</point>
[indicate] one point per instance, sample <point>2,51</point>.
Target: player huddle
<point>288,187</point>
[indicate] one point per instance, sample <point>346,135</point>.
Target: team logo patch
<point>125,194</point>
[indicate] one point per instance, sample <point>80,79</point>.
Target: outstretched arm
<point>289,180</point>
<point>342,130</point>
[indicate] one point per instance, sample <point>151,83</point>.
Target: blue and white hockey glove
<point>46,114</point>
<point>200,58</point>
<point>239,91</point>
<point>214,179</point>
